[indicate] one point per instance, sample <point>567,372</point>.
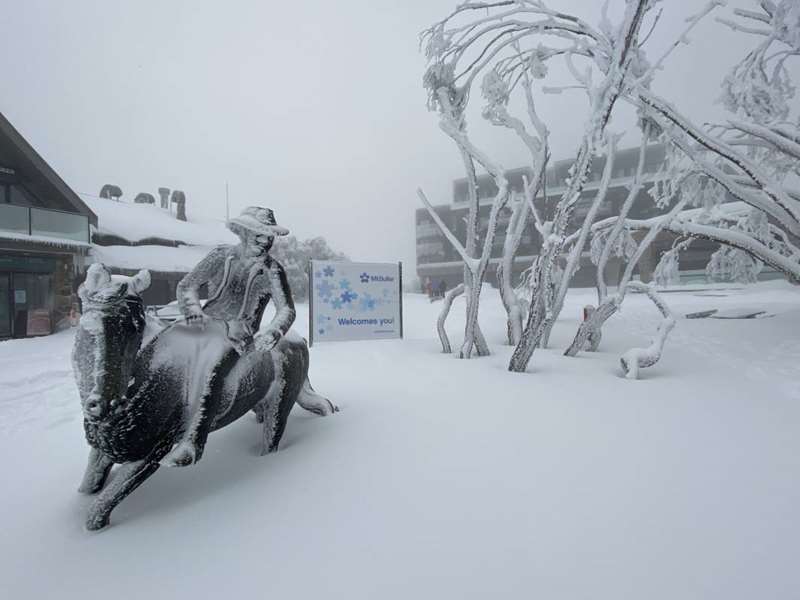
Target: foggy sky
<point>313,108</point>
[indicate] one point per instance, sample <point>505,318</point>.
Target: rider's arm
<point>188,290</point>
<point>284,305</point>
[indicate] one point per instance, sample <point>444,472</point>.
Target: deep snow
<point>443,478</point>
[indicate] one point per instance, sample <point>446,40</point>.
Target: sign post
<point>354,301</point>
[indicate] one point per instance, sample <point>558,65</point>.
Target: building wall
<point>438,260</point>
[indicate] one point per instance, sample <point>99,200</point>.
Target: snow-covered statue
<point>150,398</point>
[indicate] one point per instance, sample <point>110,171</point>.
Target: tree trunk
<point>447,303</point>
<point>590,330</point>
<point>512,305</point>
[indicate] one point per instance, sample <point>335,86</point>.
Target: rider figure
<point>241,281</point>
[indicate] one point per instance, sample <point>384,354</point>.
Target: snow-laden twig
<point>683,38</point>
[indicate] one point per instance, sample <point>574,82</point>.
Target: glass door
<point>5,305</point>
<point>32,304</point>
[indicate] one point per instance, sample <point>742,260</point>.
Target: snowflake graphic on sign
<point>325,290</point>
<point>328,271</point>
<point>367,303</point>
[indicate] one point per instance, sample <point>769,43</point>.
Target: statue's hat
<point>258,219</point>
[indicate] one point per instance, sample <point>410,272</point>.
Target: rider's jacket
<point>239,289</point>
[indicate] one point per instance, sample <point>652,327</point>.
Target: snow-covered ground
<point>443,478</point>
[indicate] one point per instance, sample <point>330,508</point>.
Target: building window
<point>427,229</point>
<point>430,251</point>
<point>14,219</point>
<point>59,224</point>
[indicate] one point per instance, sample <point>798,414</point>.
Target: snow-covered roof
<point>156,258</point>
<point>135,222</point>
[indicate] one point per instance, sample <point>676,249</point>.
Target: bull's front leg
<point>96,474</point>
<point>128,477</point>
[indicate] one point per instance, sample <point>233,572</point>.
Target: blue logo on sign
<point>366,278</point>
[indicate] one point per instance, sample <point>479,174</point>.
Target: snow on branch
<point>642,358</point>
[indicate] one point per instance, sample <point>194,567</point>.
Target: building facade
<point>45,231</point>
<point>438,261</point>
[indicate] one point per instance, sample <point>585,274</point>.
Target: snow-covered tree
<point>753,157</point>
<point>295,255</point>
<point>750,158</point>
<point>450,101</point>
<point>503,43</point>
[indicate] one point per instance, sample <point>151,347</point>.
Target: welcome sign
<point>355,301</point>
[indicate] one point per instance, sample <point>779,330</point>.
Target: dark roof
<point>34,172</point>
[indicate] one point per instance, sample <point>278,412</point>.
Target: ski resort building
<point>134,236</point>
<point>438,261</point>
<point>44,240</point>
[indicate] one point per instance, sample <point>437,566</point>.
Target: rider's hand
<point>242,345</point>
<point>197,318</point>
<point>267,339</point>
<point>240,335</point>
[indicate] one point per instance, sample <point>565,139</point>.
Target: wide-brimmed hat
<point>258,219</point>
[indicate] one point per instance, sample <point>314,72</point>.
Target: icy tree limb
<point>459,136</point>
<point>777,203</point>
<point>511,302</point>
<point>574,257</point>
<point>611,240</point>
<point>440,322</point>
<point>787,263</point>
<point>603,103</point>
<point>481,347</point>
<point>468,260</point>
<point>779,139</point>
<point>682,38</point>
<point>592,326</point>
<point>642,358</point>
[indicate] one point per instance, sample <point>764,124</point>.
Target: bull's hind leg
<point>280,399</point>
<point>97,470</point>
<point>128,477</point>
<point>314,402</point>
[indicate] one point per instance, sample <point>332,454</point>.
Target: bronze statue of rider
<point>241,280</point>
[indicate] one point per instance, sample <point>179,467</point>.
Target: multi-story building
<point>438,261</point>
<point>44,240</point>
